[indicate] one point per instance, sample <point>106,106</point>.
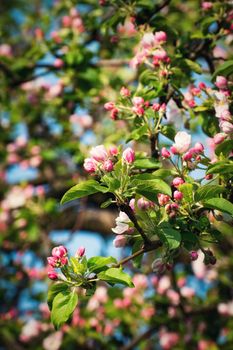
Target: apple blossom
<point>138,101</point>
<point>109,106</point>
<point>52,274</point>
<point>163,199</point>
<point>108,165</point>
<point>90,165</point>
<point>80,252</point>
<point>182,142</point>
<point>177,181</point>
<point>99,153</point>
<point>59,252</point>
<point>125,92</point>
<point>120,241</point>
<point>128,155</point>
<point>221,82</point>
<point>165,153</point>
<point>219,138</point>
<point>178,196</point>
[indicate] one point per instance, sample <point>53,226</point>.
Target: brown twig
<point>128,211</point>
<point>154,245</point>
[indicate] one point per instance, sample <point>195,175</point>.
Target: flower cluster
<point>135,106</point>
<point>59,259</point>
<point>151,47</point>
<point>103,160</point>
<point>190,157</point>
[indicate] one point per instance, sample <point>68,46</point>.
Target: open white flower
<point>182,142</point>
<point>121,223</point>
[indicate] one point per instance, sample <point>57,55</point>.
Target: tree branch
<point>154,245</point>
<point>128,211</point>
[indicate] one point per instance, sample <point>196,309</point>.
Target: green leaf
<point>138,133</point>
<point>225,148</point>
<point>210,124</point>
<point>170,237</point>
<point>64,304</point>
<point>220,204</point>
<point>187,190</point>
<point>208,191</point>
<point>150,188</point>
<point>163,173</point>
<point>112,183</point>
<point>116,275</point>
<point>54,289</point>
<point>83,189</point>
<point>98,263</point>
<point>224,69</point>
<point>78,267</point>
<point>147,163</point>
<point>194,66</point>
<point>221,168</point>
<point>168,131</point>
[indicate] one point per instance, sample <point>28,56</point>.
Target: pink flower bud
<point>173,150</point>
<point>219,138</point>
<point>128,155</point>
<point>160,55</point>
<point>120,241</point>
<point>114,113</point>
<point>165,153</point>
<point>187,156</point>
<point>226,115</point>
<point>108,165</point>
<point>178,195</point>
<point>198,147</point>
<point>132,204</point>
<point>174,206</point>
<point>138,110</point>
<point>138,101</point>
<point>63,260</point>
<point>99,153</point>
<point>124,92</point>
<point>52,261</point>
<point>191,103</point>
<point>59,252</point>
<point>206,5</point>
<point>209,177</point>
<point>226,127</point>
<point>80,252</point>
<point>202,86</point>
<point>177,181</point>
<point>113,151</point>
<point>195,91</point>
<point>143,204</point>
<point>109,106</point>
<point>163,199</point>
<point>90,165</point>
<point>52,275</point>
<point>66,21</point>
<point>156,107</point>
<point>160,37</point>
<point>58,63</point>
<point>163,107</point>
<point>193,255</point>
<point>221,82</point>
